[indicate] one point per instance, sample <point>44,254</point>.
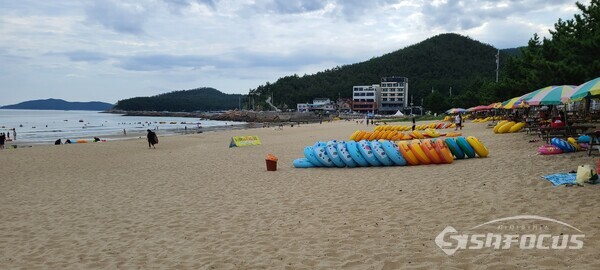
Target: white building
<point>393,94</point>
<point>319,104</point>
<point>364,98</point>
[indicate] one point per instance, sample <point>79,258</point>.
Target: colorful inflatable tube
<point>465,147</point>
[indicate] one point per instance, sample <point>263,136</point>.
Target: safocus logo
<point>450,241</point>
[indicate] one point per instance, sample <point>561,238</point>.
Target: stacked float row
<point>559,146</point>
<point>440,125</point>
<point>388,153</point>
<point>505,126</point>
<point>394,135</point>
<point>483,120</point>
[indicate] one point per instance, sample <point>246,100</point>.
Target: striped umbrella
<point>479,108</point>
<point>495,105</point>
<point>456,110</point>
<point>528,96</point>
<point>514,103</point>
<point>553,96</point>
<point>590,88</point>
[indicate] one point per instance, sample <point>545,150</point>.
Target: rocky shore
<point>235,115</point>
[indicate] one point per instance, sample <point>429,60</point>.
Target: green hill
<point>439,63</point>
<point>59,104</point>
<point>200,99</point>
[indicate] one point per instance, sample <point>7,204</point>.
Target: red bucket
<point>271,165</point>
<point>271,162</point>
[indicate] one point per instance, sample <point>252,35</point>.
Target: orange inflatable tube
<point>419,154</point>
<point>443,151</point>
<point>430,152</point>
<point>407,154</point>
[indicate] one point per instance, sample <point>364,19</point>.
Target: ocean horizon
<point>46,126</point>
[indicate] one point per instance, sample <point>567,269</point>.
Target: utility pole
<point>497,63</point>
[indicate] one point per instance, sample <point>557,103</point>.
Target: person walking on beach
<point>458,122</point>
<point>2,140</point>
<point>152,139</point>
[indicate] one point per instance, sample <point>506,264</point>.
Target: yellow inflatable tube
<point>478,146</point>
<point>506,127</point>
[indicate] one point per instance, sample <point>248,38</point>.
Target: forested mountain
<point>59,104</point>
<point>570,56</point>
<point>438,63</point>
<point>200,99</point>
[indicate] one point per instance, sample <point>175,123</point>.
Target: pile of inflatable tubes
<point>506,126</point>
<point>559,146</point>
<point>440,125</point>
<point>394,135</point>
<point>483,120</point>
<point>389,153</point>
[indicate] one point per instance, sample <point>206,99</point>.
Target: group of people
<point>4,137</point>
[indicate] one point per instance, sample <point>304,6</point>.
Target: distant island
<point>59,104</point>
<point>193,100</point>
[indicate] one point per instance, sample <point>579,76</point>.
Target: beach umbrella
<point>514,103</point>
<point>590,88</point>
<point>495,105</point>
<point>554,96</point>
<point>456,110</point>
<point>479,108</point>
<point>530,95</point>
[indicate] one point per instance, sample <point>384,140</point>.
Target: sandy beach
<point>195,203</point>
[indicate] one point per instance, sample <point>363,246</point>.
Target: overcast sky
<point>108,50</point>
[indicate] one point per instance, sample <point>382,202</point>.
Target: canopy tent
<point>398,113</point>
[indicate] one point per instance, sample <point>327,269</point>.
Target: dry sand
<point>194,203</point>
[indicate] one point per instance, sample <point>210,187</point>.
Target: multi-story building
<point>319,104</point>
<point>393,95</point>
<point>364,98</point>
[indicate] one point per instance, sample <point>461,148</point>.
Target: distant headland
<point>59,104</point>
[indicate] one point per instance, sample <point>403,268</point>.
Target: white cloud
<point>112,49</point>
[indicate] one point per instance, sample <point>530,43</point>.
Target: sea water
<point>44,126</point>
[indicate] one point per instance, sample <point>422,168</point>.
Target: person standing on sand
<point>414,122</point>
<point>458,121</point>
<point>2,140</point>
<point>152,139</point>
<point>14,134</point>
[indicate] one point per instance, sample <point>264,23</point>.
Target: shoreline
<point>132,135</point>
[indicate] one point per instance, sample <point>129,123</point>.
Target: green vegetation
<point>433,66</point>
<point>438,63</point>
<point>200,99</point>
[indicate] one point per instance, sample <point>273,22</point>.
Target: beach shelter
<point>456,110</point>
<point>495,105</point>
<point>398,113</point>
<point>514,103</point>
<point>587,89</point>
<point>553,96</point>
<point>479,108</point>
<point>530,95</point>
